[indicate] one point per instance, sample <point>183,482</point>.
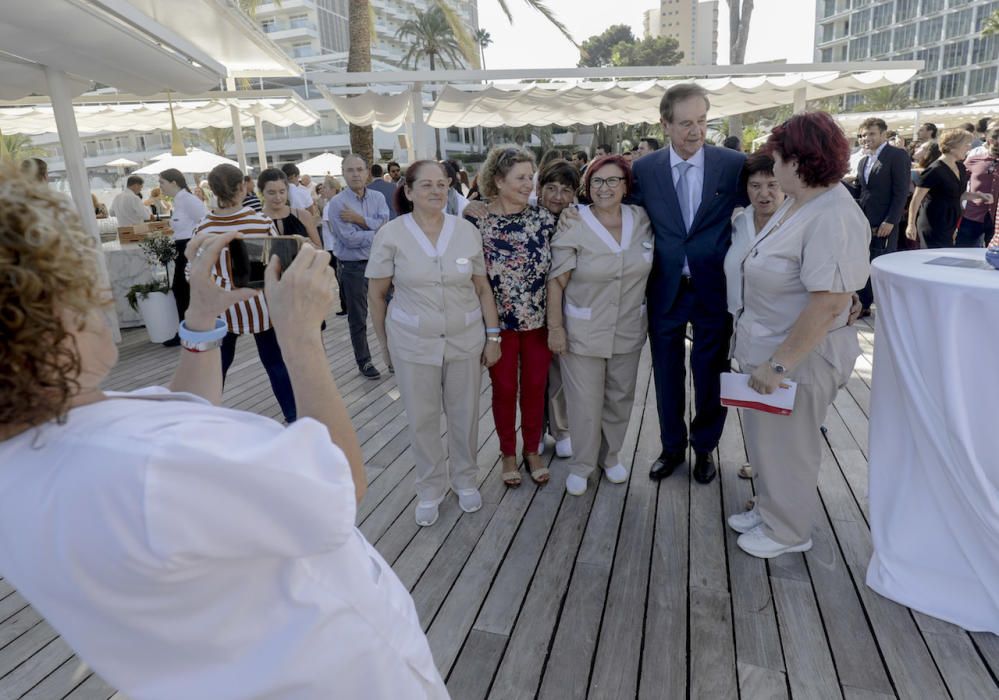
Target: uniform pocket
<point>464,265</point>
<point>405,319</point>
<point>578,311</point>
<point>473,317</point>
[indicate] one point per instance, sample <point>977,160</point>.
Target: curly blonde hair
<point>952,139</point>
<point>499,163</point>
<point>48,265</point>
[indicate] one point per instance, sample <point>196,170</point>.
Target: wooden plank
<point>477,662</point>
<point>757,683</point>
<point>963,671</point>
<point>712,653</point>
<point>12,604</point>
<point>850,693</point>
<point>988,647</point>
<point>17,624</point>
<point>26,645</point>
<point>94,688</point>
<point>60,682</point>
<point>810,667</point>
<point>35,668</point>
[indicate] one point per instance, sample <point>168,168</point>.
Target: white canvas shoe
<point>575,485</point>
<point>469,500</point>
<point>618,474</point>
<point>563,448</point>
<point>744,522</point>
<point>757,543</point>
<point>427,512</point>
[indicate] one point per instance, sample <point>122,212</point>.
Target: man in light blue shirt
<point>353,217</point>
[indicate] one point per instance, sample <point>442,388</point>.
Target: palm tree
<point>17,147</point>
<point>429,36</point>
<point>362,138</point>
<point>482,40</point>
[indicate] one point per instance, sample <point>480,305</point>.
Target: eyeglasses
<point>611,182</point>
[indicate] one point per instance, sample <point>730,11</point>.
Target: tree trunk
<point>437,132</point>
<point>738,26</point>
<point>362,138</point>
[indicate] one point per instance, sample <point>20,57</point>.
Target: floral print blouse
<point>518,258</point>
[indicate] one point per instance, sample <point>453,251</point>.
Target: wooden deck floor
<point>631,590</point>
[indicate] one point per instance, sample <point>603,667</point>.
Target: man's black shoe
<point>704,468</point>
<point>173,342</point>
<point>369,371</point>
<point>341,313</point>
<point>667,464</point>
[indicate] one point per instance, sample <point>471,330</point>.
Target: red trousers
<point>524,364</point>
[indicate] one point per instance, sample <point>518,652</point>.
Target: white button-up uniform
<point>606,325</point>
<point>435,335</point>
<point>823,247</point>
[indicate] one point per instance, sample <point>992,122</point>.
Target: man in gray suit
<point>882,186</point>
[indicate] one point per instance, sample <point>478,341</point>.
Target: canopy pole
<point>800,95</point>
<point>237,130</point>
<point>419,122</point>
<point>76,173</point>
<point>915,124</point>
<point>258,128</point>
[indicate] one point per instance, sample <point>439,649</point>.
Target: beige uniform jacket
<point>823,247</point>
<point>604,301</point>
<point>435,314</point>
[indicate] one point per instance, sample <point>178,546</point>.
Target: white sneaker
<point>757,543</point>
<point>744,522</point>
<point>618,474</point>
<point>563,448</point>
<point>469,500</point>
<point>575,485</point>
<point>427,512</point>
<point>541,446</point>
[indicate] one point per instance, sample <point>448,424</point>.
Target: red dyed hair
<point>600,162</point>
<point>815,140</point>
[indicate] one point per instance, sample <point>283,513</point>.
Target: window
<point>827,33</point>
<point>983,13</point>
<point>930,30</point>
<point>952,85</point>
<point>861,22</point>
<point>905,9</point>
<point>826,56</point>
<point>955,55</point>
<point>905,37</point>
<point>880,43</point>
<point>299,21</point>
<point>932,6</point>
<point>931,58</point>
<point>959,23</point>
<point>268,26</point>
<point>924,90</point>
<point>881,16</point>
<point>985,49</point>
<point>983,81</point>
<point>859,49</point>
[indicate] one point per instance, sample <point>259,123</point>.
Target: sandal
<point>539,472</point>
<point>511,472</point>
<point>746,471</point>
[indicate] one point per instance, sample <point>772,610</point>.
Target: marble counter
<point>126,266</point>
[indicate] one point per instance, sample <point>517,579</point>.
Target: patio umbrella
<point>323,164</point>
<point>121,163</point>
<point>196,161</point>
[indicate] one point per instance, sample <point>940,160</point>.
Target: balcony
<point>291,31</point>
<point>271,9</point>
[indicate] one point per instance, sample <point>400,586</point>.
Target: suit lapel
<point>663,172</point>
<point>711,177</point>
<point>862,169</point>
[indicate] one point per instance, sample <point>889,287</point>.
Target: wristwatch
<point>777,367</point>
<point>494,339</point>
<point>194,341</point>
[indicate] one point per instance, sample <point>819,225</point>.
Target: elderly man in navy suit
<point>689,191</point>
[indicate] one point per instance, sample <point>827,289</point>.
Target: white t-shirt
<point>189,551</point>
<point>299,197</point>
<point>128,208</point>
<point>188,211</point>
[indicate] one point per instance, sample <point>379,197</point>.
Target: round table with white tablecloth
<point>934,435</point>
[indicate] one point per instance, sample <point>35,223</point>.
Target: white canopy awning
<point>117,113</point>
<point>907,120</point>
<point>196,161</point>
<point>323,164</point>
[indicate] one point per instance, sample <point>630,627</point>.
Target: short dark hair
<point>606,148</point>
<point>176,177</point>
<point>581,155</point>
<point>679,93</point>
<point>733,143</point>
<point>561,172</point>
<point>403,205</point>
<point>134,180</point>
<point>270,175</point>
<point>35,168</point>
<point>290,169</point>
<point>376,170</point>
<point>983,124</point>
<point>600,162</point>
<point>653,143</point>
<point>876,122</point>
<point>391,163</point>
<point>815,140</point>
<point>224,181</point>
<point>755,163</point>
<point>932,128</point>
<point>969,127</point>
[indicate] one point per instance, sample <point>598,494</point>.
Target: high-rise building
<point>390,14</point>
<point>694,25</point>
<point>305,28</point>
<point>961,64</point>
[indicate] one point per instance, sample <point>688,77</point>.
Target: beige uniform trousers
<point>425,389</point>
<point>558,415</point>
<point>786,452</point>
<point>599,394</point>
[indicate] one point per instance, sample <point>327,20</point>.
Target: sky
<point>779,29</point>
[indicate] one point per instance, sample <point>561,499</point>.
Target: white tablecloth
<point>934,437</point>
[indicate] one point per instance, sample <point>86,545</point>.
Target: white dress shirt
<point>188,211</point>
<point>299,197</point>
<point>871,160</point>
<point>190,551</point>
<point>128,208</point>
<point>695,183</point>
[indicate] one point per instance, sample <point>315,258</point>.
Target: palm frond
<point>466,42</point>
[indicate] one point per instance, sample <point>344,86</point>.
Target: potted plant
<point>153,300</point>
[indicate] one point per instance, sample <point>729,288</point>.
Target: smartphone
<point>250,255</point>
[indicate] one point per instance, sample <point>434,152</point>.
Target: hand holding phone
<point>250,255</point>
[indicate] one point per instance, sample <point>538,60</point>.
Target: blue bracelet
<point>492,330</point>
<point>218,333</point>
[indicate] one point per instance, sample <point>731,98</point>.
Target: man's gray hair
<point>679,93</point>
<point>358,156</point>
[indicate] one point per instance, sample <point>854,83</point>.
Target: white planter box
<point>159,313</point>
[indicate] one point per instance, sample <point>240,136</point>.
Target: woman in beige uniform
<point>798,277</point>
<point>434,336</point>
<point>596,318</point>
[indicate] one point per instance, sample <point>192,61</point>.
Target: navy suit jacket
<point>883,196</point>
<point>710,232</point>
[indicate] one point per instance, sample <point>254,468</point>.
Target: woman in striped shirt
<point>248,317</point>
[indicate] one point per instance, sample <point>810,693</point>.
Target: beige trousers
<point>425,389</point>
<point>599,394</point>
<point>786,452</point>
<point>558,415</point>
